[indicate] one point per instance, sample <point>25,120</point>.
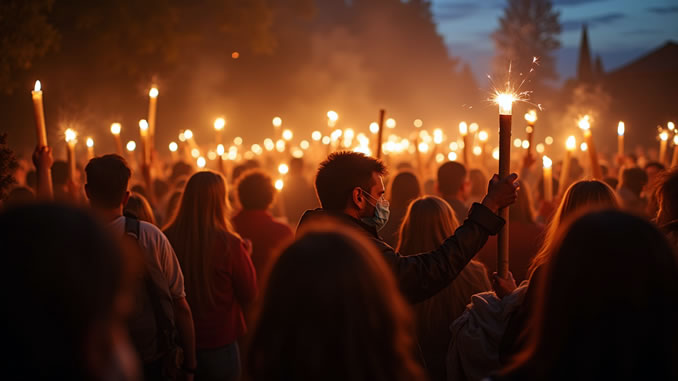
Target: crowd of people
<point>353,271</point>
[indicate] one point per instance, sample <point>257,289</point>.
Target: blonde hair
<point>140,208</point>
<point>584,195</point>
<point>428,221</point>
<point>201,219</point>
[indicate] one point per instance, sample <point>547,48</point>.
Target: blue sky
<point>619,30</point>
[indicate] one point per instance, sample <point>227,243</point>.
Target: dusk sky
<point>619,30</point>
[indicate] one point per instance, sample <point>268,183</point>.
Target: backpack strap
<point>163,324</point>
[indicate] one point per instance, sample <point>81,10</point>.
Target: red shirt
<point>235,284</point>
<point>266,234</point>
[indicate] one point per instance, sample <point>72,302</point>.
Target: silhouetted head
<point>107,181</point>
<point>255,190</point>
<point>428,222</point>
<point>452,178</point>
<point>633,179</point>
<point>404,188</point>
<point>331,310</point>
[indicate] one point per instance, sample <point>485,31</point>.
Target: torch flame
<point>279,184</point>
<point>143,125</point>
<point>620,129</point>
<point>38,86</point>
<point>277,121</point>
<point>547,162</point>
<point>571,143</point>
<point>671,126</point>
<point>115,128</point>
<point>332,116</point>
<point>70,135</point>
<point>131,145</point>
<point>482,136</point>
<point>374,128</point>
<point>173,146</point>
<point>531,116</point>
<point>390,123</point>
<point>505,102</point>
<point>188,134</point>
<point>584,122</point>
<point>153,93</point>
<point>219,124</point>
<point>463,128</point>
<point>90,142</point>
<point>664,136</point>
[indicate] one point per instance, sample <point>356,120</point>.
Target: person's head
<point>331,310</point>
<point>160,188</point>
<point>69,283</point>
<point>107,180</point>
<point>403,189</point>
<point>242,168</point>
<point>633,179</point>
<point>452,180</point>
<point>19,196</point>
<point>607,305</point>
<point>428,222</point>
<point>180,170</point>
<point>478,180</point>
<point>667,197</point>
<point>521,210</point>
<point>255,190</point>
<point>613,182</point>
<point>652,169</point>
<point>350,182</point>
<point>580,197</point>
<point>137,206</point>
<point>201,219</point>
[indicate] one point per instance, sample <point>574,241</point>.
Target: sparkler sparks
<point>510,94</point>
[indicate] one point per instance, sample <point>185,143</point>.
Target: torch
<point>219,124</point>
<point>674,162</point>
<point>145,145</point>
<point>570,145</point>
<point>115,130</point>
<point>463,131</point>
<point>548,179</point>
<point>663,141</point>
<point>39,115</point>
<point>585,125</point>
<point>380,135</point>
<point>90,148</point>
<point>620,139</point>
<point>505,103</point>
<point>152,107</point>
<point>71,137</point>
<point>531,118</point>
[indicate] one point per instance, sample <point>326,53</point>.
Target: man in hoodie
<point>350,188</point>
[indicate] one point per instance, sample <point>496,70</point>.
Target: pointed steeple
<point>584,69</point>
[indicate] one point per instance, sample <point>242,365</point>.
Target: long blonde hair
<point>579,197</point>
<point>201,219</point>
<point>428,221</point>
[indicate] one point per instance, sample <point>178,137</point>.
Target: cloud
<point>607,18</point>
<point>566,3</point>
<point>663,10</point>
<point>449,11</point>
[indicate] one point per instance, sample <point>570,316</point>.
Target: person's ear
<point>357,197</point>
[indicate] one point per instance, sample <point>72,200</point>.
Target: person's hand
<point>42,157</point>
<point>503,286</point>
<point>501,193</point>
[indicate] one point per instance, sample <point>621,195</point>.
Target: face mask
<point>381,213</point>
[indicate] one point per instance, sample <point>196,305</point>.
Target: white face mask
<point>381,212</point>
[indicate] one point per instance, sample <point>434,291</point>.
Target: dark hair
<point>634,179</point>
<point>451,176</point>
<point>255,190</point>
<point>8,164</point>
<point>137,206</point>
<point>239,169</point>
<point>608,306</point>
<point>66,281</point>
<point>342,172</point>
<point>404,188</point>
<point>180,170</point>
<point>667,197</point>
<point>655,164</point>
<point>331,310</point>
<point>19,196</point>
<point>139,189</point>
<point>107,180</point>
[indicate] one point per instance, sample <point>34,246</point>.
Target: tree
<point>528,28</point>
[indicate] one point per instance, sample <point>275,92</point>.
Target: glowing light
<point>423,147</point>
<point>477,151</point>
<point>584,123</point>
<point>531,116</point>
<point>38,86</point>
<point>131,145</point>
<point>173,147</point>
<point>143,127</point>
<point>583,147</point>
<point>505,102</point>
<point>256,148</point>
<point>316,136</point>
<point>268,144</point>
<point>548,140</point>
<point>182,138</point>
<point>517,142</point>
<point>437,136</point>
<point>287,135</point>
<point>188,134</point>
<point>452,156</point>
<point>540,148</point>
<point>279,184</point>
<point>115,128</point>
<point>483,136</point>
<point>326,140</point>
<point>332,118</point>
<point>283,169</point>
<point>675,140</point>
<point>526,144</point>
<point>620,129</point>
<point>195,153</point>
<point>304,144</point>
<point>237,140</point>
<point>153,92</point>
<point>280,145</point>
<point>440,157</point>
<point>495,153</point>
<point>277,122</point>
<point>219,124</point>
<point>90,142</point>
<point>336,134</point>
<point>297,153</point>
<point>235,55</point>
<point>211,155</point>
<point>390,123</point>
<point>418,123</point>
<point>529,129</point>
<point>454,146</point>
<point>71,135</point>
<point>664,136</point>
<point>571,143</point>
<point>671,126</point>
<point>201,162</point>
<point>463,128</point>
<point>374,127</point>
<point>349,134</point>
<point>220,149</point>
<point>547,162</point>
<point>473,127</point>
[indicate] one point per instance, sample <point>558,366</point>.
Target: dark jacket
<point>422,276</point>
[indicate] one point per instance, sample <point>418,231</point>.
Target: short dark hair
<point>107,180</point>
<point>451,176</point>
<point>659,166</point>
<point>634,179</point>
<point>340,173</point>
<point>255,190</point>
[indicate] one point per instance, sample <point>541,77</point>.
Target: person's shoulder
<point>151,235</point>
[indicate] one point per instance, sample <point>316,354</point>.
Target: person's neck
<point>352,212</point>
<point>107,215</point>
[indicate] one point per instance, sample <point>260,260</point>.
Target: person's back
<point>331,311</point>
<point>429,220</point>
<point>597,321</point>
<point>254,222</point>
<point>220,277</point>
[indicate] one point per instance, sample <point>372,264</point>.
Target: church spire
<point>584,69</point>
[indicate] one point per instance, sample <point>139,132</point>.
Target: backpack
<point>167,361</point>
